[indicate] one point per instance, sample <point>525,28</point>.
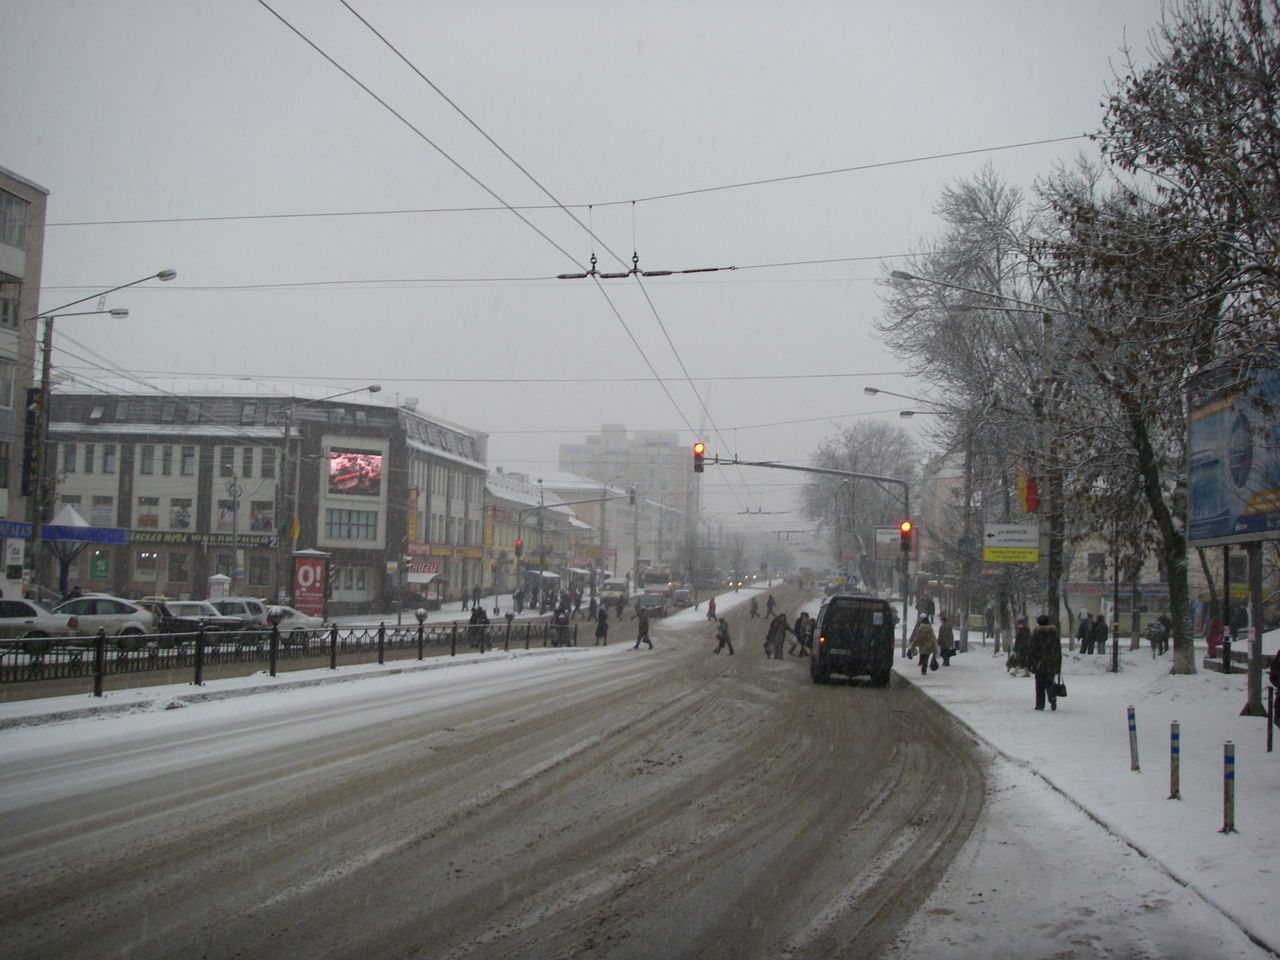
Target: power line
<point>543,380</point>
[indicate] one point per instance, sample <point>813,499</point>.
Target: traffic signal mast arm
<point>774,465</point>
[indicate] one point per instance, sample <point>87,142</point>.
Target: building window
<point>166,461</point>
<point>9,312</point>
<point>122,410</point>
<point>13,220</point>
<point>350,524</point>
<point>262,515</point>
<point>259,571</point>
<point>268,463</point>
<point>246,462</point>
<point>8,371</point>
<point>188,465</point>
<point>147,459</point>
<point>108,458</point>
<point>96,413</point>
<point>247,412</point>
<point>145,563</point>
<point>71,500</point>
<point>179,567</point>
<point>193,412</point>
<point>179,513</point>
<point>226,516</point>
<point>89,456</point>
<point>103,512</point>
<point>148,512</point>
<point>1095,567</point>
<point>168,411</point>
<point>225,564</point>
<point>68,458</point>
<point>226,461</point>
<point>4,464</point>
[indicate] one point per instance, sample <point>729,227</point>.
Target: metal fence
<point>98,657</point>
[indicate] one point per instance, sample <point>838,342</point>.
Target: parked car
<point>294,624</point>
<point>188,616</point>
<point>122,619</point>
<point>251,611</point>
<point>29,627</point>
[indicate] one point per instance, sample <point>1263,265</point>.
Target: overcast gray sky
<point>163,110</point>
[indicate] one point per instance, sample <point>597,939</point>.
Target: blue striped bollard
<point>1175,747</point>
<point>1228,787</point>
<point>1133,740</point>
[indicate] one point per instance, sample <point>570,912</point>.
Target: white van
<point>611,590</point>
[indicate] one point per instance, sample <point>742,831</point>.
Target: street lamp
<point>37,504</point>
<point>293,529</point>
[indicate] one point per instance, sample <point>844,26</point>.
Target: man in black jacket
<point>1044,656</point>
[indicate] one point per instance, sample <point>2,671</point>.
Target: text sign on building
<point>1011,543</point>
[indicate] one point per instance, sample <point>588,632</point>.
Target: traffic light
<point>698,449</point>
<point>519,547</point>
<point>631,495</point>
<point>904,534</point>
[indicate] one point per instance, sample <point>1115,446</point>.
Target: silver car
<point>122,619</point>
<point>30,627</point>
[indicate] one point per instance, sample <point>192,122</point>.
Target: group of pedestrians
<point>1092,634</point>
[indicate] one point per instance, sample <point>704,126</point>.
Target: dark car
<point>655,604</point>
<point>188,617</point>
<point>853,636</point>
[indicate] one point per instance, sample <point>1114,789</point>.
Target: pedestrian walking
<point>1098,635</point>
<point>592,607</point>
<point>769,605</point>
<point>755,609</point>
<point>800,636</point>
<point>925,644</point>
<point>1018,658</point>
<point>642,628</point>
<point>776,637</point>
<point>1213,635</point>
<point>722,637</point>
<point>989,625</point>
<point>622,606</point>
<point>946,640</point>
<point>1044,655</point>
<point>1084,633</point>
<point>475,595</point>
<point>711,609</point>
<point>602,628</point>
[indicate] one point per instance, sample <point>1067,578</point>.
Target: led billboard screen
<point>355,472</point>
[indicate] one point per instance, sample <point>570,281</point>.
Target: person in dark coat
<point>777,636</point>
<point>602,628</point>
<point>1044,656</point>
<point>923,642</point>
<point>642,628</point>
<point>946,640</point>
<point>1085,633</point>
<point>1098,635</point>
<point>1018,659</point>
<point>800,640</point>
<point>755,608</point>
<point>711,609</point>
<point>722,637</point>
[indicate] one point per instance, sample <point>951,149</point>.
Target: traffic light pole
<point>847,474</point>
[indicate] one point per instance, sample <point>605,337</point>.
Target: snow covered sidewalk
<point>1081,752</point>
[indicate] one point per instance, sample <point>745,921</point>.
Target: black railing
<point>101,656</point>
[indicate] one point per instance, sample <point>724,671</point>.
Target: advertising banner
<point>308,585</point>
<point>1233,456</point>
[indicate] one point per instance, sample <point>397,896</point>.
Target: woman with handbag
<point>1044,657</point>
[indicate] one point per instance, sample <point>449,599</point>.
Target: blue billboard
<point>1233,456</point>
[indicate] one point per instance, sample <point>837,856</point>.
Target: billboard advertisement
<point>1233,456</point>
<point>308,585</point>
<point>355,472</point>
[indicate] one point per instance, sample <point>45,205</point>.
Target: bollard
<point>274,654</point>
<point>382,643</point>
<point>453,641</point>
<point>1133,740</point>
<point>99,660</point>
<point>1226,654</point>
<point>421,629</point>
<point>527,629</point>
<point>506,638</point>
<point>333,647</point>
<point>1272,719</point>
<point>199,677</point>
<point>1228,787</point>
<point>1174,760</point>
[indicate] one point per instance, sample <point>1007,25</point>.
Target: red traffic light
<point>519,547</point>
<point>904,527</point>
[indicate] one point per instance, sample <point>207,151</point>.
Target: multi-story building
<point>552,537</point>
<point>210,483</point>
<point>659,469</point>
<point>22,219</point>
